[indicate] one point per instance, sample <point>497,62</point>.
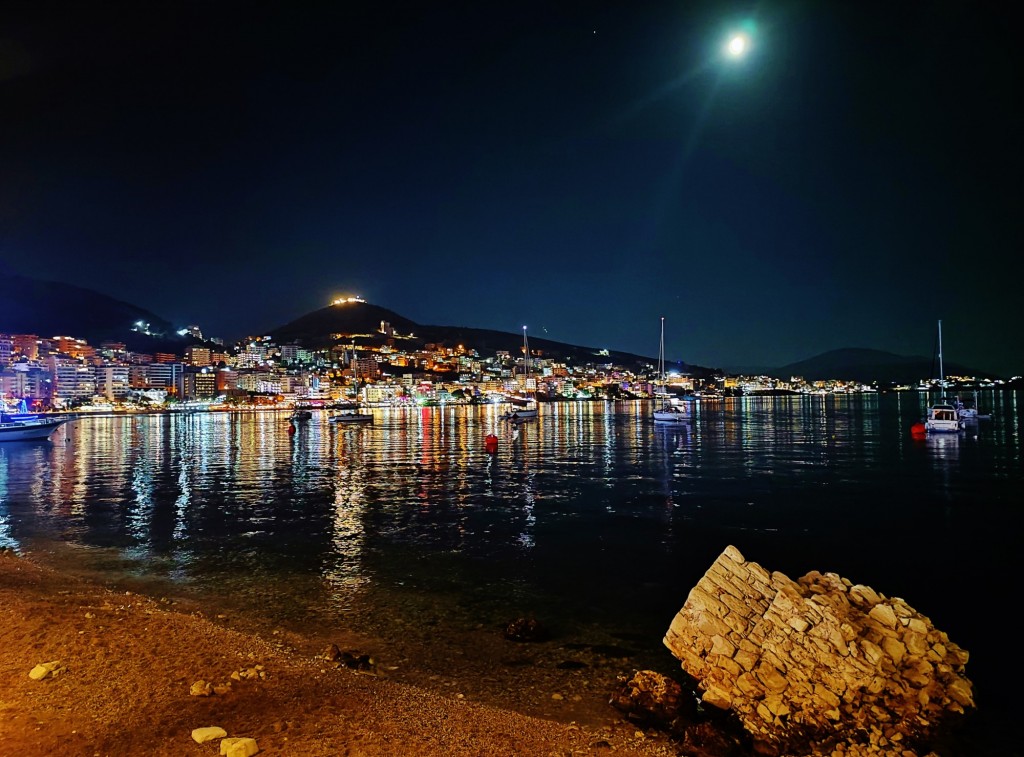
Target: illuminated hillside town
<point>65,373</point>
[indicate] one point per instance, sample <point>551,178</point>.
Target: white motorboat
<point>943,418</point>
<point>16,425</point>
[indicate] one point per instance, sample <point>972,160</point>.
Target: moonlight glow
<point>737,45</point>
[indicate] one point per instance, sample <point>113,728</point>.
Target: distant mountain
<point>866,366</point>
<point>31,306</point>
<point>50,308</point>
<point>317,330</point>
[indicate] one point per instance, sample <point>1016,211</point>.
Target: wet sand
<point>129,664</point>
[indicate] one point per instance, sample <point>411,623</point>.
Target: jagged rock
<point>816,662</point>
<point>649,696</point>
<point>209,733</point>
<point>249,674</point>
<point>46,670</point>
<point>655,700</point>
<point>201,689</point>
<point>711,739</point>
<point>350,659</point>
<point>525,629</point>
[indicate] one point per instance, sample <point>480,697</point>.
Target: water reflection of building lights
<point>6,539</point>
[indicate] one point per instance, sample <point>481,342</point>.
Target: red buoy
<point>491,443</point>
<point>291,429</point>
<point>918,431</point>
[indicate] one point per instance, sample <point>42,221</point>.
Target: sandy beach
<point>129,666</point>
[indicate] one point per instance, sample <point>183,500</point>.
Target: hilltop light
<point>346,300</point>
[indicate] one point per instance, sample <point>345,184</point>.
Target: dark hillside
<point>866,366</point>
<point>362,321</point>
<point>50,308</point>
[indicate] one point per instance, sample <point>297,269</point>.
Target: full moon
<point>737,45</point>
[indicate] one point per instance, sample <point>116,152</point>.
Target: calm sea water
<point>589,518</point>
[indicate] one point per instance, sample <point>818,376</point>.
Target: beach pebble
<point>44,669</point>
<point>240,747</point>
<point>201,689</point>
<point>209,733</point>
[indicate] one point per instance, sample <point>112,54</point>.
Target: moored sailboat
<point>943,417</point>
<point>668,411</point>
<point>524,408</point>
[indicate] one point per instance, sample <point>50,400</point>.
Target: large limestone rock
<point>811,664</point>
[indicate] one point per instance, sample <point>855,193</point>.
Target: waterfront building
<point>73,381</point>
<point>27,380</point>
<point>113,381</point>
<point>227,381</point>
<point>199,384</point>
<point>165,376</point>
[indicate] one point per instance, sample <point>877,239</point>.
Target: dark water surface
<point>590,518</point>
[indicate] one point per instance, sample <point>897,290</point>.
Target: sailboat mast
<point>526,363</point>
<point>942,373</point>
<point>661,354</point>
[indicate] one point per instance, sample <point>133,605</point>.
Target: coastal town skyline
<point>584,169</point>
<point>68,312</point>
<point>381,364</point>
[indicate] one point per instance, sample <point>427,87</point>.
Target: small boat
<point>524,407</point>
<point>300,415</point>
<point>351,416</point>
<point>668,411</point>
<point>17,425</point>
<point>968,409</point>
<point>943,417</point>
<point>516,416</point>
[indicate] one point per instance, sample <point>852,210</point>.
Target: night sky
<point>581,168</point>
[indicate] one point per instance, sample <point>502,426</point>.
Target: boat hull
<point>943,427</point>
<point>351,418</point>
<point>520,414</point>
<point>27,431</point>
<point>672,415</point>
<point>943,419</point>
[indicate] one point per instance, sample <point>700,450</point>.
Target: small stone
<point>240,747</point>
<point>201,689</point>
<point>209,733</point>
<point>45,669</point>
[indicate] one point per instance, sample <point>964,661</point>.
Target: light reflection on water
<point>589,516</point>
